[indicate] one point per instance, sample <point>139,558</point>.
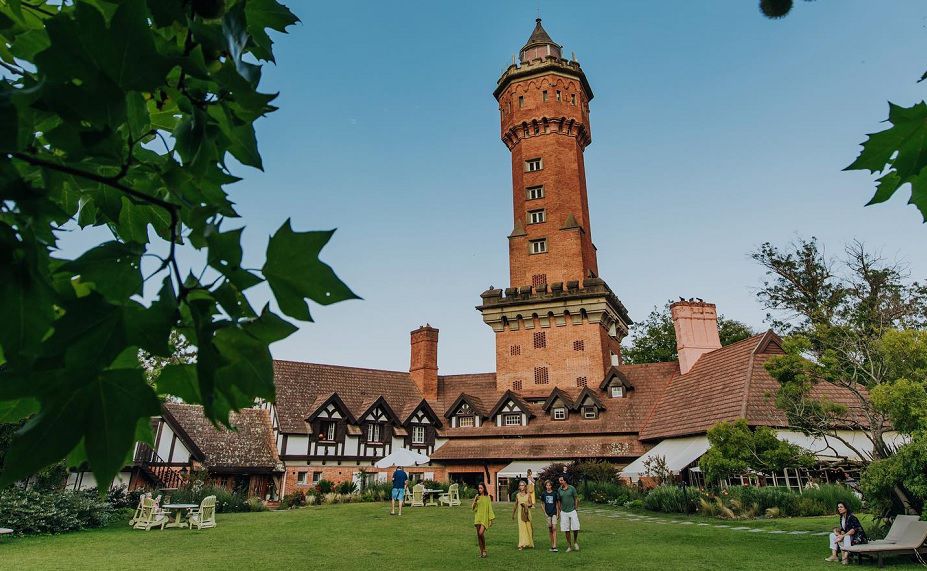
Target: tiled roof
<point>302,385</point>
<point>250,446</point>
<point>540,448</point>
<point>724,385</point>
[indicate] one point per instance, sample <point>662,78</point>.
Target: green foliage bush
<point>750,501</point>
<point>346,487</point>
<point>31,511</point>
<point>612,493</point>
<point>293,500</point>
<point>906,469</point>
<point>825,499</point>
<point>324,487</point>
<point>226,501</point>
<point>672,499</point>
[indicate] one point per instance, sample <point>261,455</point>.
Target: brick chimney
<point>696,324</point>
<point>424,366</point>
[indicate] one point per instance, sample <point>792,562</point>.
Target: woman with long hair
<point>523,505</point>
<point>483,515</point>
<point>850,532</point>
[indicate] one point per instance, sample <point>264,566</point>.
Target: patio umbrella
<point>402,457</point>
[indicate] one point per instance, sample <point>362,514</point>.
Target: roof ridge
<point>347,367</point>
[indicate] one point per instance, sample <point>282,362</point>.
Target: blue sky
<point>714,130</point>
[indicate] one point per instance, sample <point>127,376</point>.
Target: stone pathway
<point>633,517</point>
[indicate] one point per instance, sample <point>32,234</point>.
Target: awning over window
<point>678,452</point>
<point>519,468</point>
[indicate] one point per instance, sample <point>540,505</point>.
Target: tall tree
<point>840,318</point>
<point>124,115</point>
<point>654,339</point>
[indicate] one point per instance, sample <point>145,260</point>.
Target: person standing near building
<point>569,519</point>
<point>551,501</point>
<point>530,479</point>
<point>522,512</point>
<point>399,490</point>
<point>483,515</point>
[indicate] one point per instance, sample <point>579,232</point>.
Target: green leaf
<point>9,122</point>
<point>137,115</point>
<point>905,137</point>
<point>16,410</point>
<point>113,267</point>
<point>242,142</point>
<point>269,327</point>
<point>249,365</point>
<point>263,14</point>
<point>887,186</point>
<point>26,299</point>
<point>294,272</point>
<point>180,380</point>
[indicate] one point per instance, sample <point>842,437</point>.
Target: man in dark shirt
<point>569,519</point>
<point>551,500</point>
<point>399,490</point>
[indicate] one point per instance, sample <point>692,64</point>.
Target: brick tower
<point>558,323</point>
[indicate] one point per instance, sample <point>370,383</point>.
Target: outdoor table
<point>431,493</point>
<point>178,508</point>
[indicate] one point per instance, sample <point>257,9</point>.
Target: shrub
<point>324,486</point>
<point>256,505</point>
<point>31,511</point>
<point>346,487</point>
<point>764,498</point>
<point>294,500</point>
<point>671,499</point>
<point>377,492</point>
<point>120,498</point>
<point>823,500</point>
<point>635,504</point>
<point>608,493</point>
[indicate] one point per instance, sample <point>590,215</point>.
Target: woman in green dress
<point>483,515</point>
<point>523,505</point>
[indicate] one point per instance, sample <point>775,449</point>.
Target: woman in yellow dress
<point>522,511</point>
<point>483,515</point>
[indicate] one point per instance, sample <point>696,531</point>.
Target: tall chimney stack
<point>424,366</point>
<point>696,325</point>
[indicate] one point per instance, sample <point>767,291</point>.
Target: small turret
<point>539,45</point>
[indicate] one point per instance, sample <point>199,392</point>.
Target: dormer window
<point>590,412</point>
<point>511,420</point>
<point>560,413</point>
<point>466,421</point>
<point>617,391</point>
<point>418,434</point>
<point>374,433</point>
<point>327,432</point>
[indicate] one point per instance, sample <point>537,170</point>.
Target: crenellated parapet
<point>555,305</point>
<point>543,125</point>
<point>539,66</point>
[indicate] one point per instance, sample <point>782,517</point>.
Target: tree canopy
<point>129,116</point>
<point>654,339</point>
<point>737,449</point>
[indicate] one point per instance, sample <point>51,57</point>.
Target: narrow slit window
<point>572,99</point>
<point>544,95</point>
<point>558,95</point>
<point>521,101</point>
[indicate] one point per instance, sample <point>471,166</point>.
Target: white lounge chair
<point>150,516</point>
<point>205,517</point>
<point>452,497</point>
<point>909,541</point>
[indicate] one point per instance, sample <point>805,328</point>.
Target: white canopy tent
<point>829,448</point>
<point>519,468</point>
<point>402,457</point>
<point>678,452</point>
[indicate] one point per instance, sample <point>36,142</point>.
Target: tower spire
<point>540,44</point>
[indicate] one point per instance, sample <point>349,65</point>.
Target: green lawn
<point>365,535</point>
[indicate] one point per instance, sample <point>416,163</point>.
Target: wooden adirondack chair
<point>452,497</point>
<point>205,517</point>
<point>138,510</point>
<point>150,516</point>
<point>418,495</point>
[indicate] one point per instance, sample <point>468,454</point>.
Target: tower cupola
<point>539,45</point>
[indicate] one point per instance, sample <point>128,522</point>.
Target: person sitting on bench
<point>849,533</point>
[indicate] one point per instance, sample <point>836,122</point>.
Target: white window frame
<point>330,431</point>
<point>534,192</point>
<point>511,420</point>
<point>590,412</point>
<point>538,246</point>
<point>534,165</point>
<point>418,434</point>
<point>316,476</point>
<point>466,421</point>
<point>560,413</point>
<point>301,477</point>
<point>617,391</point>
<point>537,216</point>
<point>374,432</point>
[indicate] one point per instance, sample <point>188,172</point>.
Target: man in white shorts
<point>569,519</point>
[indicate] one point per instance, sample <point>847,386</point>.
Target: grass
<point>356,536</point>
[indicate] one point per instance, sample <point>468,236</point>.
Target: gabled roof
<point>322,403</point>
<point>406,414</point>
<point>554,395</point>
<point>614,373</point>
<point>368,406</point>
<point>590,394</point>
<point>510,396</point>
<point>249,447</point>
<point>476,405</point>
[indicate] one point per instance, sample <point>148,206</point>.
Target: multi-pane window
<point>418,435</point>
<point>301,477</point>
<point>582,382</point>
<point>466,421</point>
<point>515,350</point>
<point>316,476</point>
<point>539,246</point>
<point>374,433</point>
<point>544,95</point>
<point>590,412</point>
<point>511,420</point>
<point>535,192</point>
<point>541,376</point>
<point>540,340</point>
<point>517,385</point>
<point>532,165</point>
<point>560,413</point>
<point>579,345</point>
<point>521,101</point>
<point>536,216</point>
<point>617,391</point>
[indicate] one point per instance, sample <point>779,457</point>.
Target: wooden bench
<point>5,531</point>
